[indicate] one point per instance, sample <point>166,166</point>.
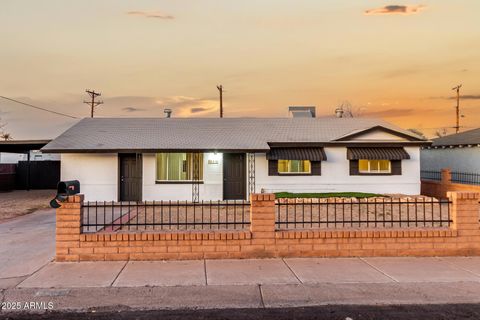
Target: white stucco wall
<point>97,173</point>
<point>378,135</point>
<point>457,159</point>
<point>211,189</point>
<point>336,176</point>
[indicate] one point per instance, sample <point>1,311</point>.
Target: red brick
<point>67,258</point>
<point>116,256</point>
<point>105,250</point>
<point>92,257</point>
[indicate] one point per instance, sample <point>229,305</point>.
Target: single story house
<point>134,159</point>
<point>460,152</point>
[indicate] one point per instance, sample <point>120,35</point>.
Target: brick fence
<point>439,189</point>
<point>262,240</point>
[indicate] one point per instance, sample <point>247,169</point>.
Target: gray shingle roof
<point>462,138</point>
<point>102,134</point>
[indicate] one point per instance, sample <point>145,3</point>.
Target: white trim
<point>296,172</point>
<point>376,171</point>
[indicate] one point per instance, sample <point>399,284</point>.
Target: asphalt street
<point>337,312</point>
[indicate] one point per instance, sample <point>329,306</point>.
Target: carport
<point>19,146</point>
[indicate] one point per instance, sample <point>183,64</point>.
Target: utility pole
<point>220,90</point>
<point>92,102</point>
<point>457,126</point>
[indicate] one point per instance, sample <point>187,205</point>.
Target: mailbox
<point>65,189</point>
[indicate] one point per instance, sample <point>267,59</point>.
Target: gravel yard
<point>19,202</point>
<point>375,212</point>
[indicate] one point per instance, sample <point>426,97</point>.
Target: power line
<point>93,104</point>
<point>39,108</point>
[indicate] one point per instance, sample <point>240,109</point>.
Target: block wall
<point>262,240</point>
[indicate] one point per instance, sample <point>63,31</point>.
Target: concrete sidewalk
<point>250,283</point>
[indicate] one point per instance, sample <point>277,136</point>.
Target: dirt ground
<point>19,202</point>
<point>362,213</point>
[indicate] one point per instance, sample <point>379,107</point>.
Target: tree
<point>441,132</point>
<point>6,136</point>
<point>3,134</point>
<point>347,110</point>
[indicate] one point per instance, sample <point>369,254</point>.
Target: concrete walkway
<point>27,243</point>
<point>251,283</point>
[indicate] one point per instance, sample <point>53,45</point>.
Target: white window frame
<point>302,172</point>
<point>378,171</point>
<point>168,164</point>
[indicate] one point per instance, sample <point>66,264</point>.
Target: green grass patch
<point>327,195</point>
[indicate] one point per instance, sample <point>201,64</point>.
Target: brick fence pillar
<point>68,220</point>
<point>446,176</point>
<point>262,217</point>
<point>465,212</point>
<point>446,180</point>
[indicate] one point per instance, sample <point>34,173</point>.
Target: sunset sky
<point>391,59</point>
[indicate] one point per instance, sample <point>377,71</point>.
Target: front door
<point>130,177</point>
<point>234,176</point>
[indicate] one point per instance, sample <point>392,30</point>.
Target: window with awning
<point>376,160</point>
<point>296,161</point>
<point>380,153</point>
<point>312,154</point>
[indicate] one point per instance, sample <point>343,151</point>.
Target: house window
<point>374,166</point>
<point>177,166</point>
<point>294,166</point>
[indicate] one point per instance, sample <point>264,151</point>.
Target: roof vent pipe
<point>339,112</point>
<point>168,113</point>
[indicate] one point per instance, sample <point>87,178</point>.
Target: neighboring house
<point>228,158</point>
<point>35,155</point>
<point>13,151</point>
<point>460,152</point>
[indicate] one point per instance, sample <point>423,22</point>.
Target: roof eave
<point>409,137</point>
<point>245,150</point>
<point>221,150</point>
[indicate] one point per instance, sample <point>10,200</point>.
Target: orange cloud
<point>182,106</point>
<point>395,9</point>
<point>152,14</point>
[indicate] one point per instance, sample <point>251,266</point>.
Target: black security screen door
<point>234,176</point>
<point>130,177</point>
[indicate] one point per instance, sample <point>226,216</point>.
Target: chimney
<point>168,113</point>
<point>302,111</point>
<point>339,112</point>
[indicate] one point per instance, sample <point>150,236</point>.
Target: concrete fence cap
<point>463,195</point>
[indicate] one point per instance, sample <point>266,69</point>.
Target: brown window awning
<point>380,153</point>
<point>312,154</point>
